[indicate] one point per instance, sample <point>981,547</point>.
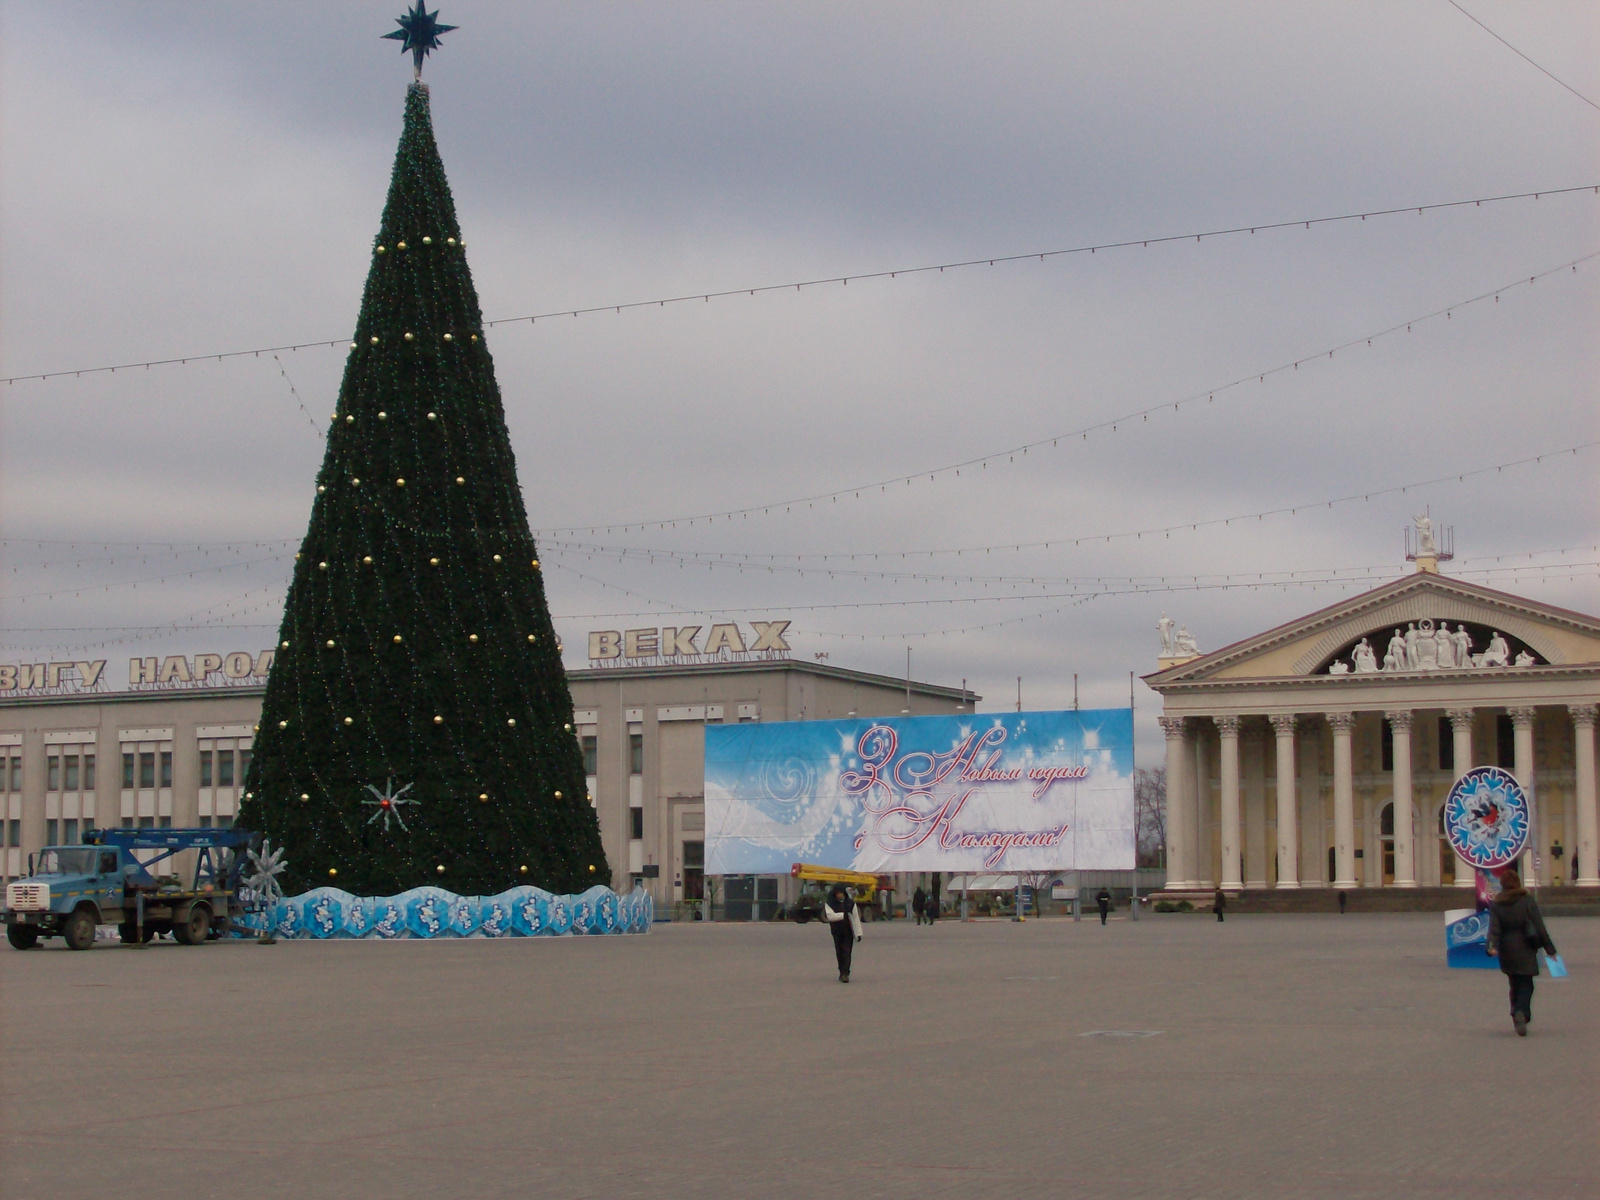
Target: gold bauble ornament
<point>397,639</point>
<point>512,722</point>
<point>409,337</point>
<point>427,241</point>
<point>399,245</point>
<point>349,720</point>
<point>400,483</point>
<point>438,720</point>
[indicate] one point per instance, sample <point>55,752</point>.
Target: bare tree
<point>1150,816</point>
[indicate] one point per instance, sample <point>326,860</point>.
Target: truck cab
<point>68,892</point>
<point>72,890</point>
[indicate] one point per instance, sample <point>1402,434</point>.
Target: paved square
<point>1284,1057</point>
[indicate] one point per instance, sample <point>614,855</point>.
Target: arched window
<point>1386,821</point>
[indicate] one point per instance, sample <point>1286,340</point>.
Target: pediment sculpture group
<point>1422,647</point>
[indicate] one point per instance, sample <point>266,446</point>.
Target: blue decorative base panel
<point>1466,939</point>
<point>429,912</point>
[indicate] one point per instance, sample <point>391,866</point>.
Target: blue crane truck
<point>71,890</point>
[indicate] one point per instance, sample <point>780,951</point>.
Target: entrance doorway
<point>694,870</point>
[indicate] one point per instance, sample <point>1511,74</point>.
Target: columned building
<point>1319,754</point>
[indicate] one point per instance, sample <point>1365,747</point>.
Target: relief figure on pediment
<point>1463,641</point>
<point>1365,660</point>
<point>1445,642</point>
<point>1427,647</point>
<point>1496,654</point>
<point>1394,658</point>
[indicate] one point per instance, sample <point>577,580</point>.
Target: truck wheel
<point>195,926</point>
<point>78,931</point>
<point>22,937</point>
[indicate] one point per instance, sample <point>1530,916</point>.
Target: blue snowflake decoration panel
<point>1486,818</point>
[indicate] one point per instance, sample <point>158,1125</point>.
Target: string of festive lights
<point>295,392</point>
<point>845,280</point>
<point>1135,418</point>
<point>1255,582</point>
<point>1066,540</point>
<point>905,555</point>
<point>92,588</point>
<point>716,562</point>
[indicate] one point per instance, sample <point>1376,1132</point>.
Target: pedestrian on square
<point>931,910</point>
<point>1343,900</point>
<point>919,904</point>
<point>1516,934</point>
<point>844,922</point>
<point>1218,903</point>
<point>1103,899</point>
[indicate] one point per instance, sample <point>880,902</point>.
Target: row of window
<point>69,772</point>
<point>1505,743</point>
<point>591,754</point>
<point>75,771</point>
<point>224,762</point>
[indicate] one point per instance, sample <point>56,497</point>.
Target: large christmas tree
<point>417,726</point>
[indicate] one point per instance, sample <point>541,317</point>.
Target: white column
<point>1344,832</point>
<point>1536,870</point>
<point>1202,876</point>
<point>1586,848</point>
<point>1461,732</point>
<point>1177,803</point>
<point>1371,851</point>
<point>1288,808</point>
<point>1254,785</point>
<point>1405,870</point>
<point>1228,730</point>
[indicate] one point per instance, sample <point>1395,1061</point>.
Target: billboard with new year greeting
<point>993,792</point>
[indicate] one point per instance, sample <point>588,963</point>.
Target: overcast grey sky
<point>183,179</point>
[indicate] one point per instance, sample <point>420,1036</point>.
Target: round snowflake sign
<point>1486,818</point>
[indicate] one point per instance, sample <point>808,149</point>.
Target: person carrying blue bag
<point>1516,935</point>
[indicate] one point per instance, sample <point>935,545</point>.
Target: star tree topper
<point>419,33</point>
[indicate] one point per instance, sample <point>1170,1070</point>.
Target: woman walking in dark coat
<point>844,922</point>
<point>1218,903</point>
<point>1102,900</point>
<point>1516,934</point>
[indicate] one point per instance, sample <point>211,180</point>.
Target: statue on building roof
<point>1426,546</point>
<point>1167,628</point>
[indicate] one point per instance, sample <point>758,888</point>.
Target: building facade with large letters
<point>173,749</point>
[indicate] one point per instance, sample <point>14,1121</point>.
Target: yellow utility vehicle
<point>863,887</point>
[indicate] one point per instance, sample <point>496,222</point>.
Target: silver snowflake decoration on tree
<point>388,802</point>
<point>265,866</point>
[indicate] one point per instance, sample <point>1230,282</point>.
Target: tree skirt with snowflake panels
<point>429,912</point>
